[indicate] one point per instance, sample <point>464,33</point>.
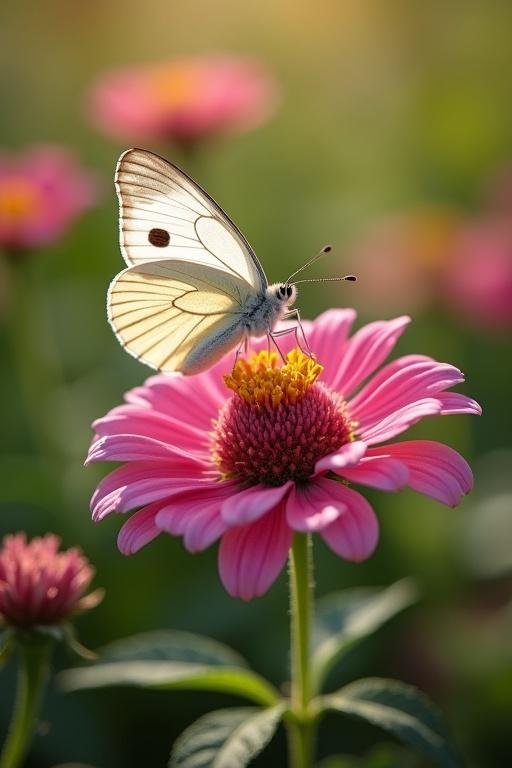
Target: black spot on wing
<point>160,238</point>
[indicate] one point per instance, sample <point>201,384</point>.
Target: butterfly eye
<point>288,290</point>
<point>160,238</point>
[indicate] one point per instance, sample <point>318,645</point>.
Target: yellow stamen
<point>261,381</point>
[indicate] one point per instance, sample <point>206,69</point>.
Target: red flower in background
<point>183,100</point>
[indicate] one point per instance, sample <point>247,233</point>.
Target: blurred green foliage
<point>385,105</point>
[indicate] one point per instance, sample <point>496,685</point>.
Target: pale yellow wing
<point>177,316</point>
<point>166,215</point>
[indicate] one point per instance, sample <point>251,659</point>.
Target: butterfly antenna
<point>350,278</point>
<point>325,249</point>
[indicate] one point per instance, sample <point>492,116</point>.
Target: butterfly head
<point>286,292</point>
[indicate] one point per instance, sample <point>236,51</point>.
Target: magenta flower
<point>250,457</point>
<point>184,100</point>
<point>42,191</point>
<point>39,584</point>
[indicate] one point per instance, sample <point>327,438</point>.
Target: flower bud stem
<point>34,654</point>
<point>301,726</point>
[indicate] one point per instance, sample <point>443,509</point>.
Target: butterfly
<point>194,289</point>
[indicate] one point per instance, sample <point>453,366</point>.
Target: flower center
<point>18,200</point>
<point>174,87</point>
<point>279,422</point>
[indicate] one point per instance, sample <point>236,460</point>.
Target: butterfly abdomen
<point>207,351</point>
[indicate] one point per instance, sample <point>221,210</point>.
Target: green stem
<point>301,723</point>
<point>34,655</point>
<point>35,354</point>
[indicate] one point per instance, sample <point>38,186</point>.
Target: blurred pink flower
<point>42,191</point>
<point>281,451</point>
<point>184,100</point>
<point>399,260</point>
<point>39,584</point>
<point>478,279</point>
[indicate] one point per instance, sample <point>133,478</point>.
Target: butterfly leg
<point>244,345</point>
<point>309,352</point>
<point>272,335</point>
<point>303,346</point>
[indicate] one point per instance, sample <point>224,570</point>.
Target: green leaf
<point>381,756</point>
<point>227,738</point>
<point>172,675</point>
<point>400,710</point>
<point>345,618</point>
<point>171,645</point>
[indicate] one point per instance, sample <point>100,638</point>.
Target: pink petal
<point>348,456</point>
<point>139,530</point>
<point>252,503</point>
<point>365,351</point>
<point>355,533</point>
<point>313,506</point>
<point>252,556</point>
<point>380,472</point>
<point>141,483</point>
<point>401,420</point>
<point>140,448</point>
<point>434,469</point>
<point>453,402</point>
<point>194,401</point>
<point>399,384</point>
<point>136,420</point>
<point>195,514</point>
<point>327,338</point>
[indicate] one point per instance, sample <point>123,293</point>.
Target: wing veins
<point>136,190</point>
<point>164,190</point>
<point>160,202</point>
<point>155,343</point>
<point>230,269</point>
<point>148,317</point>
<point>164,361</point>
<point>150,331</point>
<point>150,293</point>
<point>205,282</point>
<point>201,314</point>
<point>171,180</point>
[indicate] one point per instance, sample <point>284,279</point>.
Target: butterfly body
<point>194,288</point>
<point>263,311</point>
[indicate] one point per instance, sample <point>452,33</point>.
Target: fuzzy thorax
<point>279,422</point>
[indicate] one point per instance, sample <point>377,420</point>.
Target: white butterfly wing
<point>177,316</point>
<point>165,215</point>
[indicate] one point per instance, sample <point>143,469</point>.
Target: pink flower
<point>400,261</point>
<point>184,100</point>
<point>478,281</point>
<point>42,191</point>
<point>39,584</point>
<point>250,457</point>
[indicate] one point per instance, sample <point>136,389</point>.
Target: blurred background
<point>383,128</point>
